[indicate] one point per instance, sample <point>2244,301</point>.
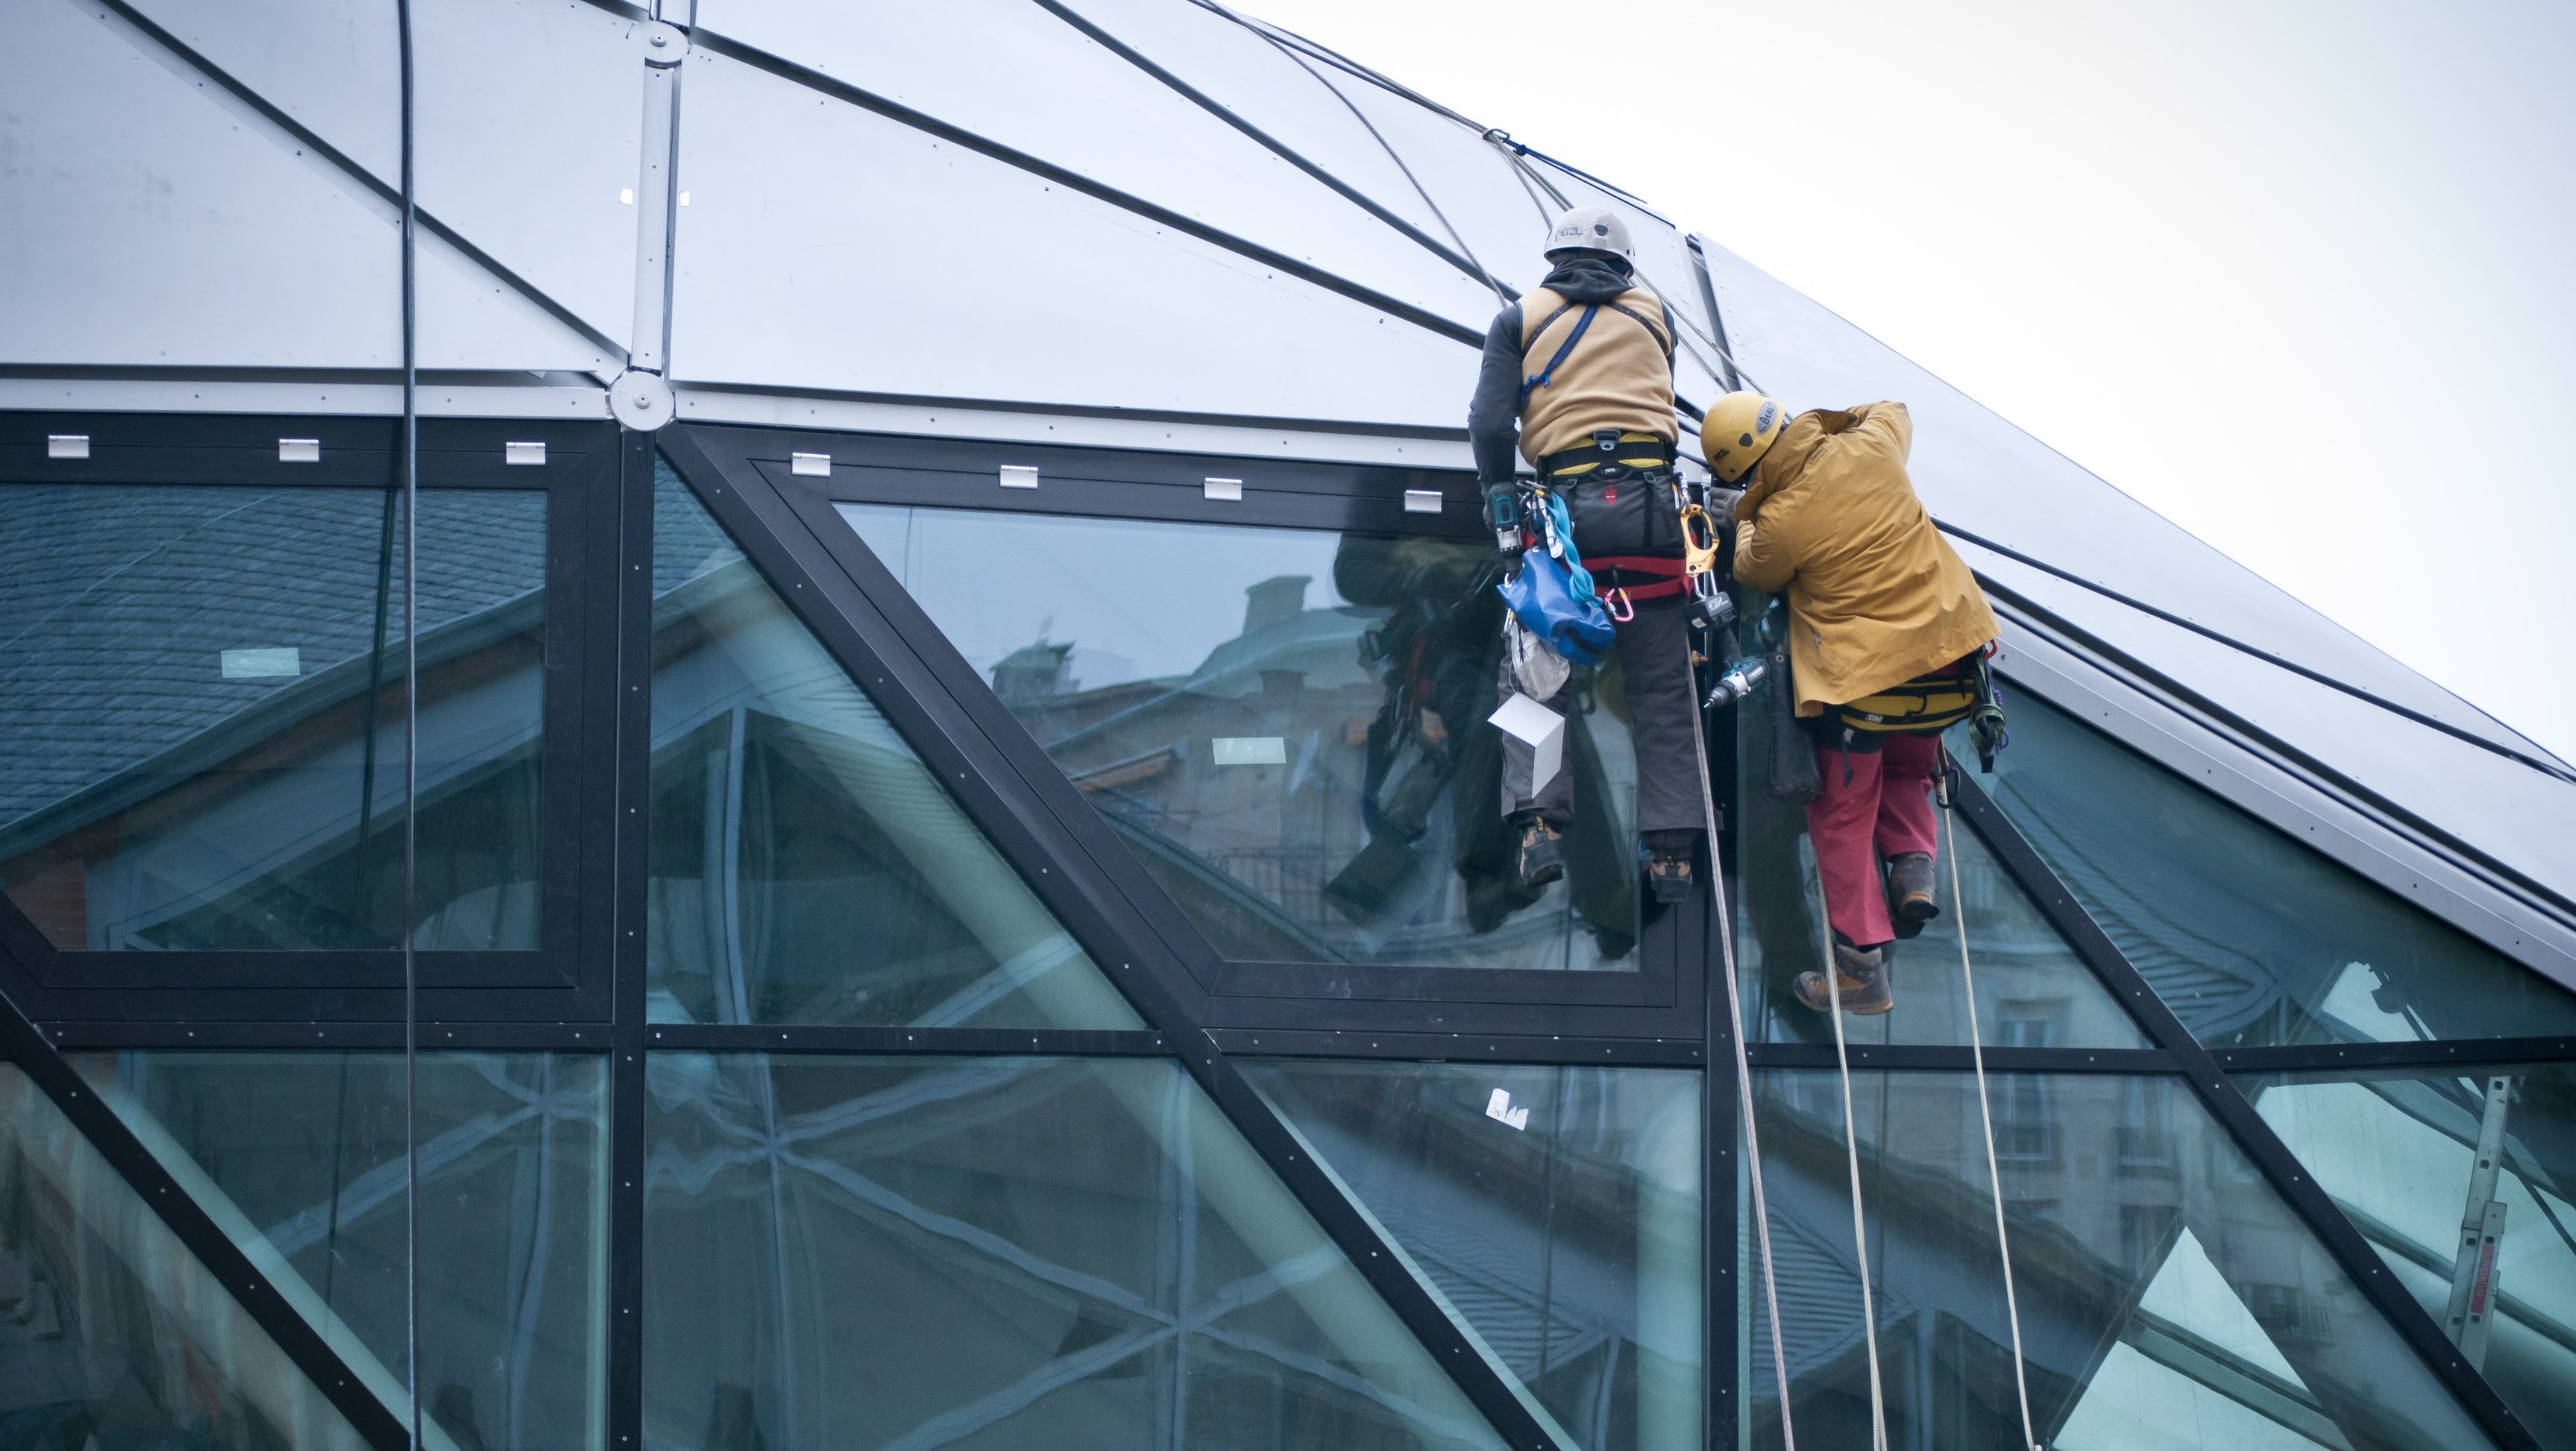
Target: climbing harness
<point>1744,1083</point>
<point>1948,843</point>
<point>1851,1157</point>
<point>1543,376</point>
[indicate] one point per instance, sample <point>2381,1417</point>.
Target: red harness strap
<point>1667,574</point>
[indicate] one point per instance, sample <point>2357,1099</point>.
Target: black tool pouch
<point>1793,750</point>
<point>1617,510</point>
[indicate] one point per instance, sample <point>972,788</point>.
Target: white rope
<point>1851,1156</point>
<point>1949,846</point>
<point>1743,1080</point>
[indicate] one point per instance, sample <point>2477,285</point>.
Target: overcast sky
<point>2299,275</point>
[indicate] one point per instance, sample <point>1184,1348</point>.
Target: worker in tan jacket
<point>1886,631</point>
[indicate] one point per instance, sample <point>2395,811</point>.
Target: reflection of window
<point>2024,1129</point>
<point>2146,1125</point>
<point>201,688</point>
<point>1286,726</point>
<point>2145,1230</point>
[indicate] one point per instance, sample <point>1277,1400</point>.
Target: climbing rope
<point>1948,844</point>
<point>1851,1156</point>
<point>1743,1080</point>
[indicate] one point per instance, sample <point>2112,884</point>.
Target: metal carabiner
<point>1699,541</point>
<point>1622,608</point>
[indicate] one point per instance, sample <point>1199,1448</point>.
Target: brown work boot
<point>1909,894</point>
<point>1539,860</point>
<point>1863,984</point>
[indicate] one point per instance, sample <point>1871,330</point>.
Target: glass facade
<point>2248,936</point>
<point>111,1333</point>
<point>859,1252</point>
<point>832,1134</point>
<point>1556,1209</point>
<point>2461,1182</point>
<point>2167,1296</point>
<point>1286,726</point>
<point>806,867</point>
<point>300,1158</point>
<point>2032,989</point>
<point>201,690</point>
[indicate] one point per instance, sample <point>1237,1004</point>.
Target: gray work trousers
<point>1654,658</point>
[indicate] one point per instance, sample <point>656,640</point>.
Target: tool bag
<point>1542,597</point>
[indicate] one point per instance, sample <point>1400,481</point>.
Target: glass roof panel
<point>2250,937</point>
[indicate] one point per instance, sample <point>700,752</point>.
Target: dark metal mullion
<point>2436,1057</point>
<point>980,779</point>
<point>975,1042</point>
<point>437,1035</point>
<point>1568,1051</point>
<point>297,1338</point>
<point>1947,1058</point>
<point>2236,1114</point>
<point>1277,147</point>
<point>630,730</point>
<point>896,111</point>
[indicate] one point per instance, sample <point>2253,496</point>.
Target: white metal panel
<point>1238,66</point>
<point>526,129</point>
<point>1980,472</point>
<point>151,219</point>
<point>790,276</point>
<point>1042,87</point>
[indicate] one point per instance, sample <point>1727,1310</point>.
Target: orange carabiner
<point>1699,540</point>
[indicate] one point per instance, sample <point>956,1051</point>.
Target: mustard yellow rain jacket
<point>1876,595</point>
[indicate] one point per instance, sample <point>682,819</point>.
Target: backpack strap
<point>1541,378</point>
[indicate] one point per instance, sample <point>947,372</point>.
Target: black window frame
<point>560,979</point>
<point>757,466</point>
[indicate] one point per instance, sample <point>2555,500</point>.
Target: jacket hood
<point>1589,279</point>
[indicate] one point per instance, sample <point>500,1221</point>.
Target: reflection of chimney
<point>1034,672</point>
<point>1274,601</point>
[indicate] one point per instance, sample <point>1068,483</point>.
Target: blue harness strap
<point>1532,385</point>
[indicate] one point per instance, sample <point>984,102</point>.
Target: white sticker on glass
<point>1499,1109</point>
<point>268,662</point>
<point>1250,750</point>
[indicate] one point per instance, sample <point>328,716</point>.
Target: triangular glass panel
<point>301,1159</point>
<point>1556,1211</point>
<point>111,1331</point>
<point>2167,1296</point>
<point>806,867</point>
<point>1000,1252</point>
<point>2414,1157</point>
<point>2033,991</point>
<point>2250,937</point>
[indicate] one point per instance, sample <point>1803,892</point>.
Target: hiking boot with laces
<point>1539,860</point>
<point>1862,974</point>
<point>1909,893</point>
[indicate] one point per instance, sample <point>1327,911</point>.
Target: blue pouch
<point>1543,597</point>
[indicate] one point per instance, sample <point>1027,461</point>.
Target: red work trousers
<point>1883,810</point>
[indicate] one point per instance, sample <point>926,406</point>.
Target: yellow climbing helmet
<point>1738,430</point>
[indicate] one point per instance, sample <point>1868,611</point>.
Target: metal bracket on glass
<point>2473,1278</point>
<point>1019,476</point>
<point>1422,501</point>
<point>665,46</point>
<point>299,450</point>
<point>523,453</point>
<point>810,465</point>
<point>1227,491</point>
<point>66,445</point>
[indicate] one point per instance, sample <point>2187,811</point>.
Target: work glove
<point>1721,504</point>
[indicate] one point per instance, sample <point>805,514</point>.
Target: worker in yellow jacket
<point>1885,627</point>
